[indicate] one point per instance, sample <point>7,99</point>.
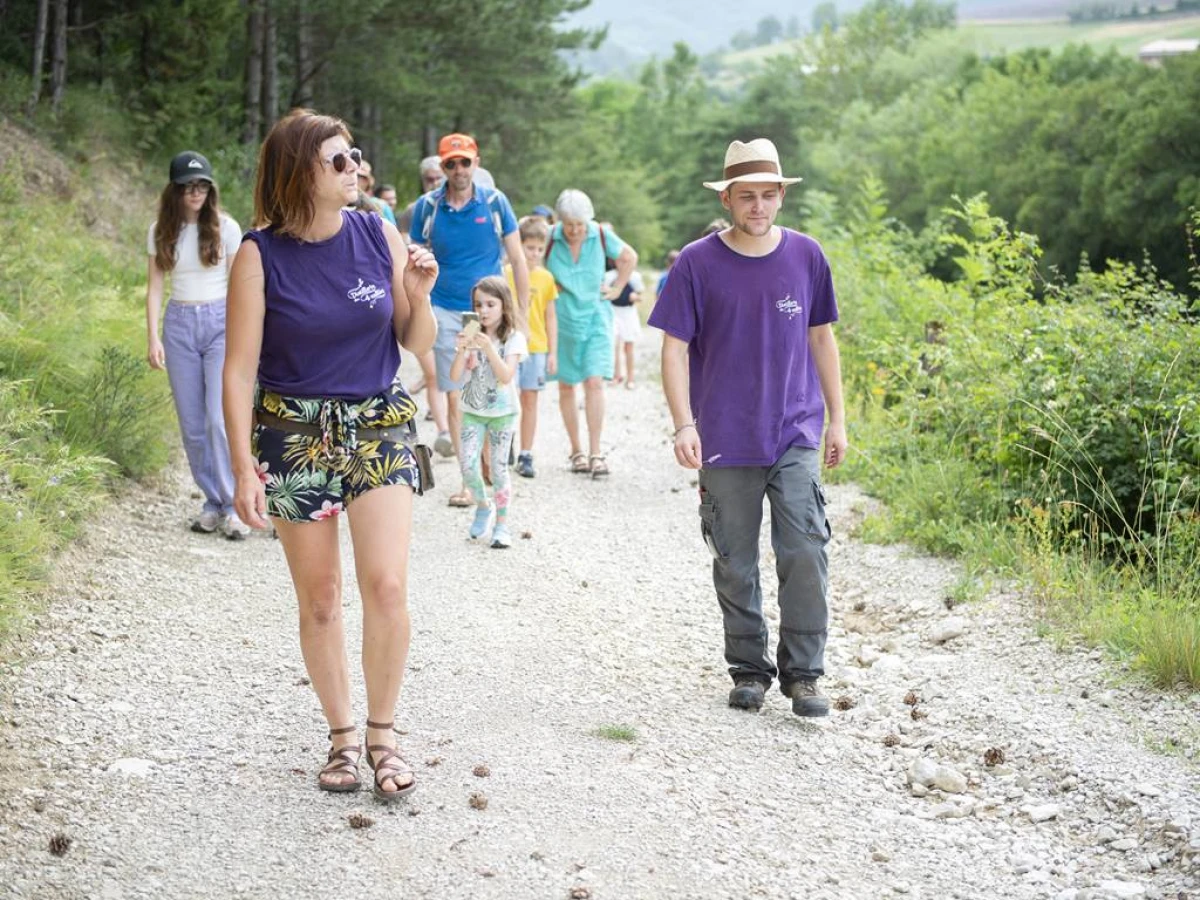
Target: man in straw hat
<point>749,366</point>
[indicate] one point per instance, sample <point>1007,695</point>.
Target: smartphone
<point>470,322</point>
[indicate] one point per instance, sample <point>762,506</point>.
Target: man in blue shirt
<point>469,228</point>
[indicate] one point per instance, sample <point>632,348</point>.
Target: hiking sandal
<point>391,765</point>
<point>579,464</point>
<point>342,761</point>
<point>598,465</point>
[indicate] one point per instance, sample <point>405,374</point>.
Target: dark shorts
<point>312,478</point>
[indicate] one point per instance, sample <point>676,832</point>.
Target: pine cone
<point>891,740</point>
<point>478,801</point>
<point>993,756</point>
<point>911,698</point>
<point>357,820</point>
<point>482,771</point>
<point>918,714</point>
<point>60,844</point>
<point>844,702</point>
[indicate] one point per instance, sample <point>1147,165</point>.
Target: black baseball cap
<point>190,166</point>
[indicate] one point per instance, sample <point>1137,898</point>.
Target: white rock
<point>948,629</point>
<point>922,771</point>
<point>1149,790</point>
<point>1123,890</point>
<point>131,767</point>
<point>1124,844</point>
<point>1042,812</point>
<point>949,780</point>
<point>889,665</point>
<point>121,706</point>
<point>1067,894</point>
<point>1106,834</point>
<point>953,810</point>
<point>919,790</point>
<point>867,656</point>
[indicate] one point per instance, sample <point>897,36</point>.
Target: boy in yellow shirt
<point>543,334</point>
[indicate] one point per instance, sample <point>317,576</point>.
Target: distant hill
<point>639,29</point>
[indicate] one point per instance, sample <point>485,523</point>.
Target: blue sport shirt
<point>464,242</point>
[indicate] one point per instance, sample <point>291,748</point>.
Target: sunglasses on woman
<point>343,158</point>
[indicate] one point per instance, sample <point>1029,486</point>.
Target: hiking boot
<point>747,693</point>
<point>483,518</point>
<point>207,522</point>
<point>443,445</point>
<point>807,699</point>
<point>501,539</point>
<point>525,465</point>
<point>234,528</point>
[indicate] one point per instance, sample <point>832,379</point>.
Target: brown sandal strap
<point>338,761</point>
<point>381,726</point>
<point>388,767</point>
<point>346,730</point>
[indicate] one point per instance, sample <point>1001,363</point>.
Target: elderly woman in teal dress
<point>575,256</point>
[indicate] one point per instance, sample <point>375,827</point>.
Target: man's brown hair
<point>283,190</point>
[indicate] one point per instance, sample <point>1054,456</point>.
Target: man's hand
<point>835,445</point>
<point>687,447</point>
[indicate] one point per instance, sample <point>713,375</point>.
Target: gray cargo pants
<point>731,506</point>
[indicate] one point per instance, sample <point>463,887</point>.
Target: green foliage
<point>1051,430</point>
<point>75,410</point>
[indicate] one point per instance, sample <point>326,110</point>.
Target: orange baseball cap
<point>457,146</point>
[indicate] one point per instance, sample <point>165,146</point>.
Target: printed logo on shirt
<point>789,307</point>
<point>366,293</point>
<point>481,220</point>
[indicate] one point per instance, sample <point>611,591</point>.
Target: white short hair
<point>431,164</point>
<point>574,205</point>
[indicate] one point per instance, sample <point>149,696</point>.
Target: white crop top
<point>191,281</point>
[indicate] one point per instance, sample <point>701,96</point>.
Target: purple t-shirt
<point>328,325</point>
<point>754,385</point>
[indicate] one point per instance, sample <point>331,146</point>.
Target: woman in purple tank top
<point>319,300</point>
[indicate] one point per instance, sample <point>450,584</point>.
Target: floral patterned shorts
<point>312,478</point>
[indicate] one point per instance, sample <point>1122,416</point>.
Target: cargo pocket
<point>710,530</point>
<point>816,523</point>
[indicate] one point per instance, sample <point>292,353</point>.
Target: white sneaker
<point>207,522</point>
<point>234,528</point>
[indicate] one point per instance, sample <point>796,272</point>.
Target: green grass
<point>1126,37</point>
<point>78,406</point>
<point>625,733</point>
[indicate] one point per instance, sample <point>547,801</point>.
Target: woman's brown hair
<point>497,286</point>
<point>286,164</point>
<point>170,222</point>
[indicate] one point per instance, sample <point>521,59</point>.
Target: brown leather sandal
<point>579,464</point>
<point>391,765</point>
<point>342,761</point>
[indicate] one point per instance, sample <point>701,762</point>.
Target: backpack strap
<point>433,199</point>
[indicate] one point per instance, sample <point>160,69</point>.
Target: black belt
<point>401,434</point>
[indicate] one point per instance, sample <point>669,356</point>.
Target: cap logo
<point>195,164</point>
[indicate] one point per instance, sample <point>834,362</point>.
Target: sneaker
<point>501,539</point>
<point>747,693</point>
<point>234,528</point>
<point>483,518</point>
<point>525,465</point>
<point>207,522</point>
<point>443,445</point>
<point>807,699</point>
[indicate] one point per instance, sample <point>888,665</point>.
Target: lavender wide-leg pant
<point>194,342</point>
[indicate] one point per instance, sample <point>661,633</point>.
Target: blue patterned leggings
<point>499,431</point>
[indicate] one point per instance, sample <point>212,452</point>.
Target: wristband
<point>682,427</point>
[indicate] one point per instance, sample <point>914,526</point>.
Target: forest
<point>1013,239</point>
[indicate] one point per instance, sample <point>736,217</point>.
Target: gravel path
<point>159,719</point>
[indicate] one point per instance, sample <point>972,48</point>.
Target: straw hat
<point>756,161</point>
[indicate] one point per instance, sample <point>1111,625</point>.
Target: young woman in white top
<point>195,243</point>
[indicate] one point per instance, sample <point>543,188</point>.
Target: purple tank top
<point>328,325</point>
